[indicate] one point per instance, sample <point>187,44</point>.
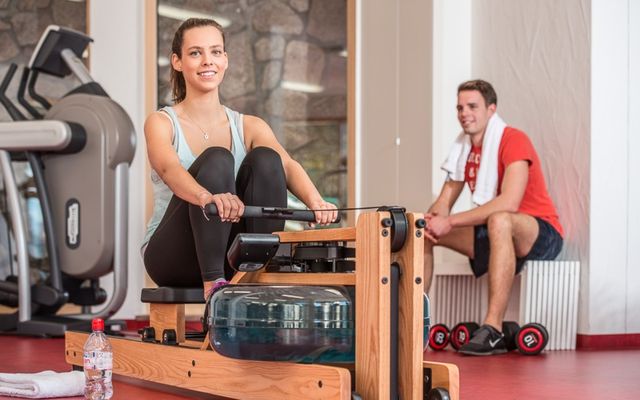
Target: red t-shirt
<point>472,167</point>
<point>515,146</point>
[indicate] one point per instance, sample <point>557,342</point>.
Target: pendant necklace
<point>205,135</point>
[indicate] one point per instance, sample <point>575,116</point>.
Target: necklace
<point>205,135</point>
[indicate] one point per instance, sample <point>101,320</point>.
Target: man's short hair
<point>485,89</point>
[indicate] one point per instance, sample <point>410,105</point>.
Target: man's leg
<point>459,239</point>
<point>511,235</point>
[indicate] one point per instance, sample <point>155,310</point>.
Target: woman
<point>201,152</point>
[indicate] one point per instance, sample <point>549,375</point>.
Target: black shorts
<point>546,247</point>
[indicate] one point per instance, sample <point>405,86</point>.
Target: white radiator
<point>549,295</point>
<point>458,298</point>
<point>545,292</point>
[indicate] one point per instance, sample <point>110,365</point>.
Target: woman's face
<point>203,60</point>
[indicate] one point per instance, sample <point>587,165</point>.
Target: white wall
<point>633,242</point>
<point>451,66</point>
<point>536,54</point>
<point>117,62</point>
<point>393,103</point>
<point>613,299</point>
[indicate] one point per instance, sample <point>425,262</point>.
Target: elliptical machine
<point>79,152</point>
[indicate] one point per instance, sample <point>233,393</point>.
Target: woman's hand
<point>230,207</point>
<point>325,212</point>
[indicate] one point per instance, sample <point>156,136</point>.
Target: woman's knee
<point>215,156</point>
<point>214,169</point>
<point>264,161</point>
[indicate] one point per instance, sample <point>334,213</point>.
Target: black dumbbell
<point>532,339</point>
<point>438,337</point>
<point>510,330</point>
<point>461,334</point>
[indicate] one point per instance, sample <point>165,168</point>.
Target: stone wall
<point>273,47</point>
<point>21,24</point>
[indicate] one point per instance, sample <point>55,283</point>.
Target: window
<point>288,65</point>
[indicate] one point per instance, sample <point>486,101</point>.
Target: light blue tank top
<point>161,192</point>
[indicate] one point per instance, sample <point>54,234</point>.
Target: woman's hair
<point>178,86</point>
<point>485,89</point>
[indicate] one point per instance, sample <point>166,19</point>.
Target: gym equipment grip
<point>271,212</point>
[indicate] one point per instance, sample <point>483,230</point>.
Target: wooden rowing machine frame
<point>195,366</point>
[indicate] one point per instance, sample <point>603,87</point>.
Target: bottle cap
<point>97,325</point>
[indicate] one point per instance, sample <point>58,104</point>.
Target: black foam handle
<point>13,111</point>
<point>271,212</point>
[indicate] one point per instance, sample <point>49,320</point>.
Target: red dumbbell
<point>461,334</point>
<point>532,339</point>
<point>438,337</point>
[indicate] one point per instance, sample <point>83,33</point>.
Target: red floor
<point>553,375</point>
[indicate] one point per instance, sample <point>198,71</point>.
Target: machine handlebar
<point>271,213</point>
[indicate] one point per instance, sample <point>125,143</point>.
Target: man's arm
<point>448,195</point>
<point>513,187</point>
<point>442,206</point>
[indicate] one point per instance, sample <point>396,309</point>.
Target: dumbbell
<point>461,334</point>
<point>510,330</point>
<point>438,337</point>
<point>532,339</point>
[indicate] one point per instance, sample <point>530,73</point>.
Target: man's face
<point>473,113</point>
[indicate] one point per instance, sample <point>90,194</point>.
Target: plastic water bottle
<point>98,363</point>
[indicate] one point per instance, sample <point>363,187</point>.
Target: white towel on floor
<point>43,384</point>
<point>487,180</point>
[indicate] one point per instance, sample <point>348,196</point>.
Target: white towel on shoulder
<point>45,384</point>
<point>487,180</point>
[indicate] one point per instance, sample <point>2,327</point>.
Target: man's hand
<point>437,226</point>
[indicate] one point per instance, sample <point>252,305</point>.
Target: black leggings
<point>186,249</point>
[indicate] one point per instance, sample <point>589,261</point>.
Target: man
<point>515,219</point>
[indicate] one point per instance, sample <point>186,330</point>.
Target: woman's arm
<point>258,133</point>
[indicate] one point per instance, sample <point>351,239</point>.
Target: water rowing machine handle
<point>272,213</point>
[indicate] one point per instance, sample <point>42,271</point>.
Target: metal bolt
<point>418,233</point>
<point>418,280</point>
<point>385,280</point>
<point>386,222</point>
<point>385,232</point>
